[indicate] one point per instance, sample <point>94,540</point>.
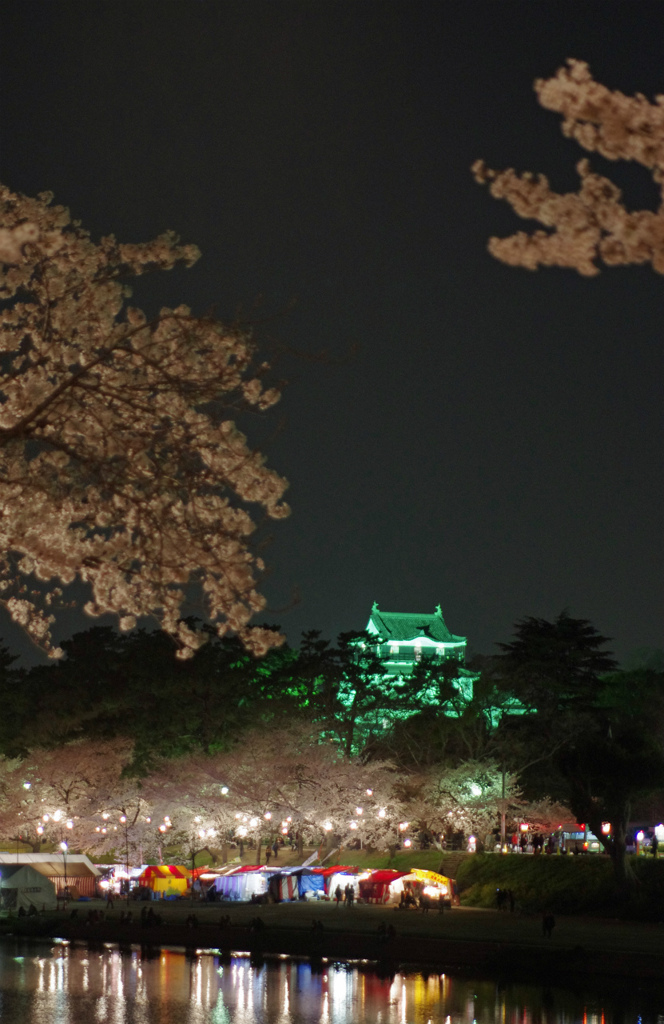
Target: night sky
<point>473,435</point>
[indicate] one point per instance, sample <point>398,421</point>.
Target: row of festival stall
<point>273,884</point>
<point>381,886</point>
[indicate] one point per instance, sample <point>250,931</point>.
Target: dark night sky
<point>479,436</point>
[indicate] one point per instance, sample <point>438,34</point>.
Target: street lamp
<point>64,848</point>
<point>123,821</point>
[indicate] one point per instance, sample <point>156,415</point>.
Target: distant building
<point>407,639</point>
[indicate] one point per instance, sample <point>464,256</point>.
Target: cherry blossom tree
<point>121,820</point>
<point>593,224</point>
<point>58,795</point>
<point>120,461</point>
<point>545,815</point>
<point>469,797</point>
<point>281,780</point>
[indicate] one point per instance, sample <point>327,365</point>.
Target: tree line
<point>551,718</point>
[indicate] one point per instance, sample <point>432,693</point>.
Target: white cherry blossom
<point>120,461</point>
<point>592,225</point>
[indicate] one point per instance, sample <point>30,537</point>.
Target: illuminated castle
<point>406,639</point>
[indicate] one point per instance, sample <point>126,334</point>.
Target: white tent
<point>240,886</point>
<point>78,871</point>
<point>343,880</point>
<point>22,886</point>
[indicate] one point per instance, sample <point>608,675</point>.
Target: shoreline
<point>485,943</point>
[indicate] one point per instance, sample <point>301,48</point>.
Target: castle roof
<point>411,625</point>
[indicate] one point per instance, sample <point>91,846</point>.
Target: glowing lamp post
<point>123,821</point>
<point>64,848</point>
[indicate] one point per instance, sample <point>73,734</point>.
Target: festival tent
<point>343,876</point>
<point>22,886</point>
<point>284,887</point>
<point>296,883</point>
<point>375,885</point>
<point>73,870</point>
<point>334,869</point>
<point>421,882</point>
<point>438,884</point>
<point>310,882</point>
<point>242,883</point>
<point>165,879</point>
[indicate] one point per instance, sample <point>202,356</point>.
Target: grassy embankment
<point>564,885</point>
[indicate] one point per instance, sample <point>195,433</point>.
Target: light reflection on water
<point>65,985</point>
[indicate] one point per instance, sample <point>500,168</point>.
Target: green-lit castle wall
<point>406,639</point>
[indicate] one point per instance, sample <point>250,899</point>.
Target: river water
<point>61,984</point>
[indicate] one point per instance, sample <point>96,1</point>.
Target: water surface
<point>60,984</point>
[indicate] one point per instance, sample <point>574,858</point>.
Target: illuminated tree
<point>281,780</point>
<point>592,224</point>
<point>120,461</point>
<point>469,797</point>
<point>53,795</point>
<point>544,816</point>
<point>121,819</point>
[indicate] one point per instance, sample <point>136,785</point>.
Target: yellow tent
<point>435,885</point>
<point>441,881</point>
<point>168,879</point>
